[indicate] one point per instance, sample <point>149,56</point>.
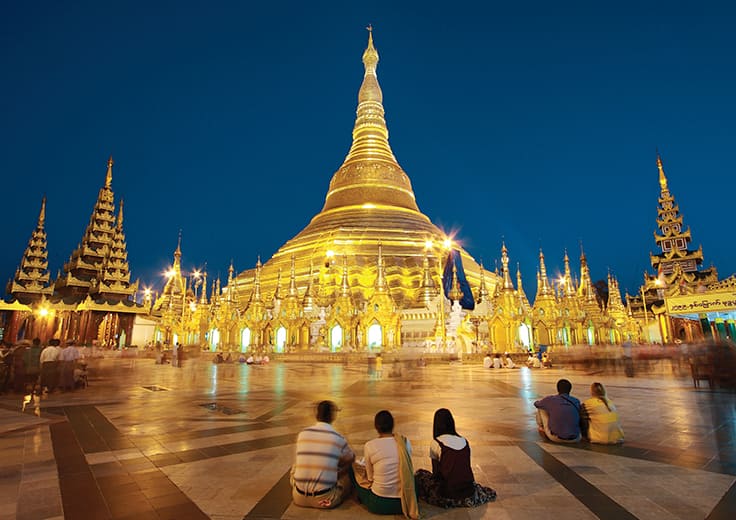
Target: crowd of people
<point>31,368</point>
<point>325,471</point>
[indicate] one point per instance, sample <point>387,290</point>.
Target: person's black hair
<point>564,386</point>
<point>443,424</point>
<point>36,342</point>
<point>326,411</point>
<point>384,422</point>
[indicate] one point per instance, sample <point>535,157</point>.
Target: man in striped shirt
<point>319,477</point>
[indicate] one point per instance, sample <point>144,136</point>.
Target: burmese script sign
<point>700,303</point>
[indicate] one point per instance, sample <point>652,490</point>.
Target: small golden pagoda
<point>31,281</point>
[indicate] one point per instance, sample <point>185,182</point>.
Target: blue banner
<point>453,258</point>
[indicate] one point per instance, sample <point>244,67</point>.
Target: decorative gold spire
<point>567,287</point>
<point>345,285</point>
<point>662,177</point>
<point>370,173</point>
<point>108,177</point>
<point>543,283</point>
<point>203,298</point>
<point>277,292</point>
<point>119,224</point>
<point>42,214</point>
<point>381,277</point>
<point>483,294</point>
<point>177,253</point>
<point>455,293</point>
<point>32,276</point>
<point>507,284</point>
<point>257,282</point>
<point>292,278</point>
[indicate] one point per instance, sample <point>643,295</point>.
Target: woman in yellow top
<point>603,422</point>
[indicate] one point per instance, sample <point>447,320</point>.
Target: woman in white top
<point>382,496</point>
<point>603,421</point>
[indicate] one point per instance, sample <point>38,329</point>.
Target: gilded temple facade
<point>370,273</point>
<point>92,298</point>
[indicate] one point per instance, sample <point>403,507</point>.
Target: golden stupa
<point>370,201</point>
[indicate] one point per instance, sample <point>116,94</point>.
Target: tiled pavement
<point>206,441</point>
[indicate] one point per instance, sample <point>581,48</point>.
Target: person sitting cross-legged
<point>451,482</point>
<point>602,419</point>
<point>319,476</point>
<point>558,416</point>
<point>387,485</point>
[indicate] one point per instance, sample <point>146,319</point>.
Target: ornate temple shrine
<point>92,299</point>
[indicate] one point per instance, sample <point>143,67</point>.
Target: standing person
<point>7,366</point>
<point>558,416</point>
<point>379,366</point>
<point>50,365</point>
<point>319,476</point>
<point>67,363</point>
<point>601,417</point>
<point>383,493</point>
<point>451,482</point>
<point>19,367</point>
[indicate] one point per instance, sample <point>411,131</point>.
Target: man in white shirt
<point>67,363</point>
<point>50,365</point>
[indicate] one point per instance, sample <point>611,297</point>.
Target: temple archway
<point>245,339</point>
<point>336,338</point>
<point>375,336</point>
<point>280,338</point>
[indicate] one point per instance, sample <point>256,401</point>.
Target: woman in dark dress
<point>451,482</point>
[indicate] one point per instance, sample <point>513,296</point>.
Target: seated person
<point>546,361</point>
<point>497,363</point>
<point>487,362</point>
<point>451,482</point>
<point>558,416</point>
<point>509,362</point>
<point>533,361</point>
<point>601,418</point>
<point>320,476</point>
<point>381,493</point>
<point>250,360</point>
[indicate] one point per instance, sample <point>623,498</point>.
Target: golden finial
<point>108,177</point>
<point>662,177</point>
<point>120,216</point>
<point>42,213</point>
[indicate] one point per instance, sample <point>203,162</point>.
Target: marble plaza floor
<point>216,441</point>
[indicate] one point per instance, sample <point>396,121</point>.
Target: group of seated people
<point>563,418</point>
<point>498,362</point>
<point>325,471</point>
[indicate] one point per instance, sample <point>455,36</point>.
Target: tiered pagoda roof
<point>31,281</point>
<point>99,264</point>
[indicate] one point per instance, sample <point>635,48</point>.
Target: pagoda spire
<point>428,288</point>
<point>277,292</point>
<point>108,176</point>
<point>483,294</point>
<point>543,287</point>
<point>381,275</point>
<point>257,282</point>
<point>292,278</point>
<point>455,293</point>
<point>568,289</point>
<point>114,282</point>
<point>308,300</point>
<point>673,239</point>
<point>345,285</point>
<point>31,279</point>
<point>203,298</point>
<point>370,172</point>
<point>507,283</point>
<point>84,269</point>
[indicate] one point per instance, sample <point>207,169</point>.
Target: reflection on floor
<point>216,441</point>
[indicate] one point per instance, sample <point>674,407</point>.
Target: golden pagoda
<point>369,201</point>
<point>31,281</point>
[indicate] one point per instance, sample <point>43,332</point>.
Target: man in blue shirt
<point>558,416</point>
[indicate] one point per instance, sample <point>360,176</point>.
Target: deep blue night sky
<point>537,123</point>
